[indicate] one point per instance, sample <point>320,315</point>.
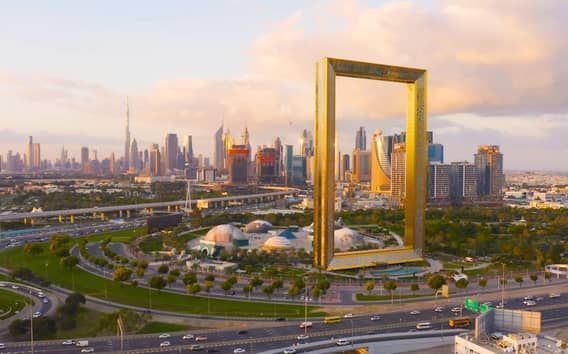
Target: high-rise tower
<point>219,148</point>
<point>361,139</point>
<point>127,138</point>
<point>380,164</point>
<point>489,162</point>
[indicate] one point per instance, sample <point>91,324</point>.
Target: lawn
<point>161,327</point>
<point>11,303</point>
<point>366,297</point>
<point>152,244</point>
<point>48,266</point>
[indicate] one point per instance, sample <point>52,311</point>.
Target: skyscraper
<point>127,138</point>
<point>380,164</point>
<point>171,152</point>
<point>36,156</point>
<point>306,143</point>
<point>188,147</point>
<point>238,164</point>
<point>463,181</point>
<point>279,156</point>
<point>227,143</point>
<point>361,166</point>
<point>435,153</point>
<point>29,157</point>
<point>361,139</point>
<point>266,165</point>
<point>219,150</point>
<point>398,174</point>
<point>288,168</point>
<point>489,162</point>
<point>438,182</point>
<point>155,160</point>
<point>345,167</point>
<point>84,155</point>
<point>134,158</point>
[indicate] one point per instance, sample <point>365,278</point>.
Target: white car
<point>554,295</point>
<point>68,342</point>
<point>187,337</point>
<point>239,351</point>
<point>289,351</point>
<point>342,342</point>
<point>415,312</point>
<point>200,338</point>
<point>36,314</point>
<point>164,336</point>
<point>2,346</point>
<point>375,318</point>
<point>88,350</point>
<point>439,309</point>
<point>348,315</point>
<point>528,297</point>
<point>2,285</point>
<point>45,300</point>
<point>306,325</point>
<point>303,337</point>
<point>456,309</point>
<point>165,344</point>
<point>41,295</point>
<point>530,303</point>
<point>15,287</point>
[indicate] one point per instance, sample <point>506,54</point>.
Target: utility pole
<point>31,324</point>
<point>306,306</point>
<point>503,287</point>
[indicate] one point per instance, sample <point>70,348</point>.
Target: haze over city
<point>496,77</point>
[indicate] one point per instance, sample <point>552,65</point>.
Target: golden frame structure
<point>327,69</point>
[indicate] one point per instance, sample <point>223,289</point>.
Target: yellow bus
<point>459,322</point>
<point>331,319</point>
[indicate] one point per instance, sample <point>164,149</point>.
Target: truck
<point>82,343</point>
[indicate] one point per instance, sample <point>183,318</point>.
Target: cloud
<point>492,64</point>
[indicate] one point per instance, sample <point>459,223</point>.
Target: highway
<point>284,334</point>
<point>115,208</point>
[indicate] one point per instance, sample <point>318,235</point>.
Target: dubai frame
<point>324,177</point>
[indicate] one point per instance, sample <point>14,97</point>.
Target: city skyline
<point>485,90</point>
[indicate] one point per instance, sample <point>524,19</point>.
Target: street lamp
<point>352,333</point>
<point>305,306</point>
<point>31,324</point>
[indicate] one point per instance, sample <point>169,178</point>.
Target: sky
<point>497,72</point>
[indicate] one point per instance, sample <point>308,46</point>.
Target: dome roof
<point>345,238</point>
<point>224,234</point>
<point>277,242</point>
<point>258,227</point>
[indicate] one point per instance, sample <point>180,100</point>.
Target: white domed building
<point>346,238</point>
<point>277,243</point>
<point>258,227</point>
<point>222,237</point>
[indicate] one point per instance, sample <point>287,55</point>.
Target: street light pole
<point>503,287</point>
<point>31,325</point>
<point>352,333</point>
<point>305,307</point>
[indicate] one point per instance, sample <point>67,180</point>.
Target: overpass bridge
<point>126,210</point>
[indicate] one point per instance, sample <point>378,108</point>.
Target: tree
<point>256,282</point>
<point>194,288</point>
<point>293,291</point>
<point>210,277</point>
<point>163,269</point>
<point>76,298</point>
<point>58,241</point>
<point>436,281</point>
<point>519,279</point>
<point>462,283</point>
<point>268,291</point>
<point>226,286</point>
<point>390,286</point>
<point>175,272</point>
<point>299,283</point>
<point>157,282</point>
<point>69,262</point>
<point>534,278</point>
<point>369,286</point>
<point>208,285</point>
<point>140,272</point>
<point>233,280</point>
<point>247,289</point>
<point>482,282</point>
<point>547,276</point>
<point>32,249</point>
<point>189,278</point>
<point>121,274</point>
<point>414,287</point>
<point>172,279</point>
<point>316,293</point>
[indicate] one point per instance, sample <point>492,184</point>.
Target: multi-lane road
<point>285,334</point>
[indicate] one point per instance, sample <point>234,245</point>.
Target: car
<point>348,315</point>
<point>375,318</point>
<point>45,300</point>
<point>164,335</point>
<point>165,344</point>
<point>342,342</point>
<point>2,346</point>
<point>530,303</point>
<point>200,338</point>
<point>68,342</point>
<point>372,331</point>
<point>456,309</point>
<point>88,350</point>
<point>2,285</point>
<point>496,335</point>
<point>241,332</point>
<point>195,347</point>
<point>553,295</point>
<point>306,324</point>
<point>499,306</point>
<point>212,350</point>
<point>187,337</point>
<point>41,295</point>
<point>528,297</point>
<point>289,351</point>
<point>239,351</point>
<point>540,298</point>
<point>415,312</point>
<point>15,287</point>
<point>439,309</point>
<point>280,319</point>
<point>36,314</point>
<point>303,337</point>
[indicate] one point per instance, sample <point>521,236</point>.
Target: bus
<point>423,325</point>
<point>331,319</point>
<point>459,322</point>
